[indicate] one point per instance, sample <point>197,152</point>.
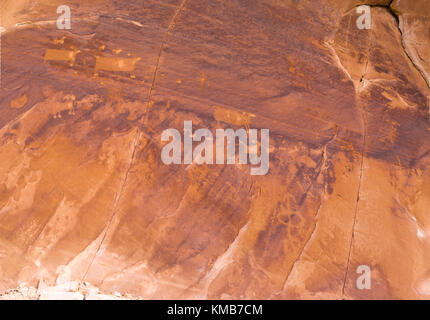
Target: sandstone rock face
<point>86,199</point>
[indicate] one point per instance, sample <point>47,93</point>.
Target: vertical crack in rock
<point>322,169</point>
<point>355,214</point>
<point>138,137</point>
<point>357,90</point>
<point>118,195</point>
<point>163,43</point>
<point>363,150</point>
<point>362,80</point>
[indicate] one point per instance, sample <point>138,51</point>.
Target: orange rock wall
<point>83,187</point>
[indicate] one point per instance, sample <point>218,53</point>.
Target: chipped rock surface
<point>66,291</point>
<point>85,197</point>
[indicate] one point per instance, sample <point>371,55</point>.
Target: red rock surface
<point>85,198</point>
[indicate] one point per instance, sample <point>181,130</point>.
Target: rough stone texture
<point>85,198</point>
